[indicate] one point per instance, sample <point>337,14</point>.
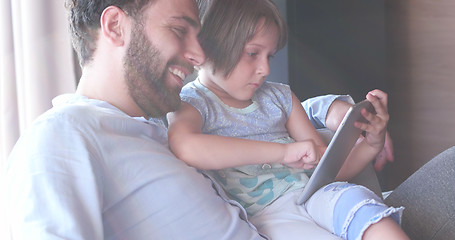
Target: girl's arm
<point>335,115</point>
<point>366,150</point>
<point>300,128</point>
<point>205,151</point>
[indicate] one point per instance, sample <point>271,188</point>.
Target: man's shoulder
<point>74,108</point>
<point>70,118</point>
<point>67,113</point>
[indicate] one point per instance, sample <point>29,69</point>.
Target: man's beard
<point>145,77</point>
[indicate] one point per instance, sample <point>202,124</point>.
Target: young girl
<point>256,140</point>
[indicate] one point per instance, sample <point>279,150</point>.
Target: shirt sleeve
<point>52,187</point>
<point>316,108</point>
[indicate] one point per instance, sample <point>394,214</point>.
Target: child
<point>256,140</point>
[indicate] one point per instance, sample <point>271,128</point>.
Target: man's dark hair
<point>84,21</point>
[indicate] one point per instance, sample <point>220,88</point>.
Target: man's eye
<point>179,31</point>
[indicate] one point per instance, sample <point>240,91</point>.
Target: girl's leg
<point>387,228</point>
<point>348,210</point>
<point>284,219</point>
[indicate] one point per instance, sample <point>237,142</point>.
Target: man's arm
<point>51,192</point>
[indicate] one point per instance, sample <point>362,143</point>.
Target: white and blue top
<point>253,186</point>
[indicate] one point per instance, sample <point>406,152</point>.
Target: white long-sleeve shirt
<point>86,170</point>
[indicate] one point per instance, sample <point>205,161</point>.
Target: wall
<point>279,71</point>
<point>421,73</point>
<point>336,47</point>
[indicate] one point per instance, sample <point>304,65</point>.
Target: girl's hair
<point>227,25</point>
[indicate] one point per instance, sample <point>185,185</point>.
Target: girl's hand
<point>376,127</point>
<point>386,155</point>
<point>305,154</point>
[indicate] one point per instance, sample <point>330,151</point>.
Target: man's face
<point>162,52</point>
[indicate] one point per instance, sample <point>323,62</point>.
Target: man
<point>94,166</point>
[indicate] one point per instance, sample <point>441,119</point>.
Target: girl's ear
<point>114,23</point>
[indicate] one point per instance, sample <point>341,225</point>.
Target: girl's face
<point>237,89</point>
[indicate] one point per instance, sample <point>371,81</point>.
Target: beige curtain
<point>36,64</point>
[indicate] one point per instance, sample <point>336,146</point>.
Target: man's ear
<point>114,23</point>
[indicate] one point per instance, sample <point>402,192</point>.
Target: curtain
<point>36,64</point>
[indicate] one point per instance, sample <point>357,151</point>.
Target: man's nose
<point>194,52</point>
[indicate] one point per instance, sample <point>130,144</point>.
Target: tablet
<point>337,151</point>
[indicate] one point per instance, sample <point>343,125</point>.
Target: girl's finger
<point>379,101</point>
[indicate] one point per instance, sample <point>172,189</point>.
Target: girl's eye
<point>252,54</point>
